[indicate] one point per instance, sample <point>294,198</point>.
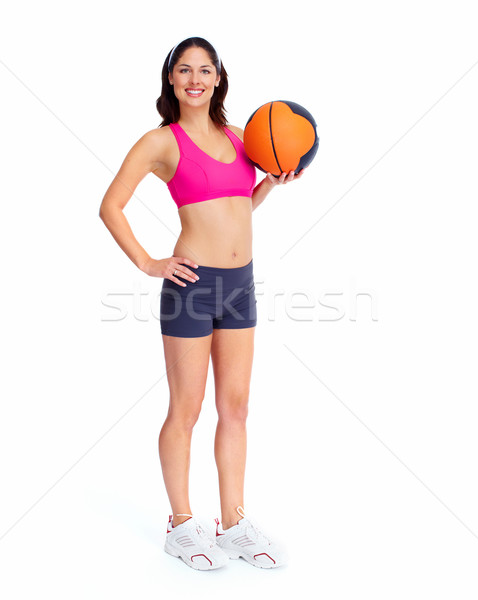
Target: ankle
<point>228,523</point>
<point>177,520</point>
<point>231,517</point>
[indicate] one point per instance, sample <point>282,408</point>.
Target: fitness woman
<point>208,305</point>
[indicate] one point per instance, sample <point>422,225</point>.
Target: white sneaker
<point>190,542</point>
<point>246,540</point>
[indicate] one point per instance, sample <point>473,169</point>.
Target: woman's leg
<point>187,362</point>
<point>232,354</point>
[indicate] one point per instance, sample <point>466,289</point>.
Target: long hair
<point>168,105</point>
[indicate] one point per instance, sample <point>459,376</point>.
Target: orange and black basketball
<point>281,136</point>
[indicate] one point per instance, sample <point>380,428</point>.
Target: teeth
<point>196,92</point>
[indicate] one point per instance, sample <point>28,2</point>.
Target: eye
<point>185,70</point>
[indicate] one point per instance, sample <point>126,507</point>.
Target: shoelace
<point>254,531</point>
<point>256,534</point>
<point>205,538</point>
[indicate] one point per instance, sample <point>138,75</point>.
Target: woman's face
<point>194,77</point>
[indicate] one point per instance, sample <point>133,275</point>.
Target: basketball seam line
<point>272,137</point>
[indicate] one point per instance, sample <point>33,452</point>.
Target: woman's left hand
<point>284,177</point>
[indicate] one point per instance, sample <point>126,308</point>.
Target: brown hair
<point>168,105</point>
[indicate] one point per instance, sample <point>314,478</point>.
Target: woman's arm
<point>144,157</point>
<point>260,192</point>
<point>268,183</point>
<point>120,229</point>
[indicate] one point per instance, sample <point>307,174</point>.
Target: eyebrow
<point>185,65</point>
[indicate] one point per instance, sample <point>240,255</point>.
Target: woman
<point>208,305</point>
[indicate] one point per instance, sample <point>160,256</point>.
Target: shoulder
<point>155,151</point>
<point>157,138</point>
<point>237,130</point>
<point>156,144</point>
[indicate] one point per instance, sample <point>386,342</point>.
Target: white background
<point>362,440</point>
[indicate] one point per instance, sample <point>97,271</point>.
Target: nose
<point>195,77</point>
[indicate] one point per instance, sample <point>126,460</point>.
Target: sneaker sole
<point>177,553</point>
<point>234,555</point>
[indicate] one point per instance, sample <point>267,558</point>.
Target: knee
<point>184,414</point>
<point>234,408</point>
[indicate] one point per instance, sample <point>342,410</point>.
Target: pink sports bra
<point>200,177</point>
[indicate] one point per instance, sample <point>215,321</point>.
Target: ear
<point>218,79</point>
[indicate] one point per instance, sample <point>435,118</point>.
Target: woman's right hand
<point>165,267</point>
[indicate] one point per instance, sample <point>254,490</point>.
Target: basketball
<point>281,136</point>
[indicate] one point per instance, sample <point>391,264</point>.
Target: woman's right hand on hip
<point>172,268</point>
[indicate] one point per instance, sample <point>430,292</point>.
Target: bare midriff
<point>216,233</point>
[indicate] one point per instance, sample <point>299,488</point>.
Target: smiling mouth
<point>194,93</point>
